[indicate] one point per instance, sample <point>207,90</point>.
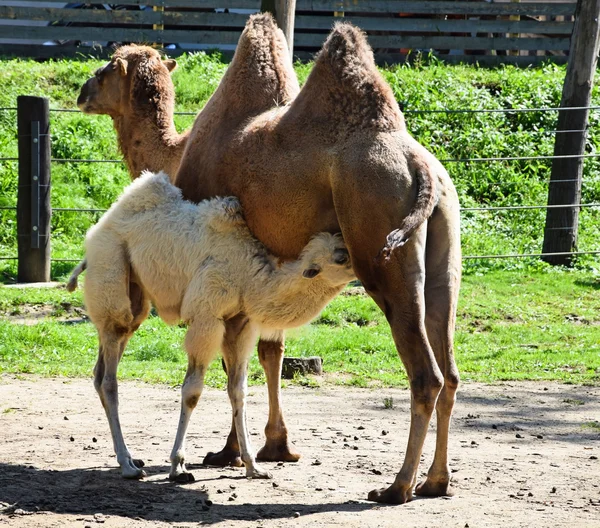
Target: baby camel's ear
<point>121,66</point>
<point>171,64</point>
<point>312,271</point>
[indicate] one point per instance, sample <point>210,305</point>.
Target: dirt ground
<point>520,453</point>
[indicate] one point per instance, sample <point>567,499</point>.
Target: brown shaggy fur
<point>136,90</point>
<point>338,157</point>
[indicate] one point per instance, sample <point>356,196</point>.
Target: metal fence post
<point>560,234</point>
<point>33,198</point>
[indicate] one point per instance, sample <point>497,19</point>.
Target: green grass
<point>510,326</point>
<point>423,85</point>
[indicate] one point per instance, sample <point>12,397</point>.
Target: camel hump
<point>262,63</point>
<point>345,69</point>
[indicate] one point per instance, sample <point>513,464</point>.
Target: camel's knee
<point>451,379</point>
<point>191,391</point>
<point>425,388</point>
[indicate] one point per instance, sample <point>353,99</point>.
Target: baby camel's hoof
<point>134,473</point>
<point>182,478</point>
<point>258,473</point>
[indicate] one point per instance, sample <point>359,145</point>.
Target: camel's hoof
<point>391,495</point>
<point>278,452</point>
<point>225,457</point>
<point>133,472</point>
<point>138,463</point>
<point>258,472</point>
<point>430,488</point>
<point>182,478</point>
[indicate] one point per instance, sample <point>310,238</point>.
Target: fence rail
<point>486,32</point>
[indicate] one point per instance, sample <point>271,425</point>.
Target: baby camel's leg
<point>236,350</point>
<point>112,345</point>
<point>201,343</point>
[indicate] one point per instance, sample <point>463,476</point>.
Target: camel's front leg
<point>277,447</point>
<point>201,343</point>
<point>235,352</point>
<point>105,381</point>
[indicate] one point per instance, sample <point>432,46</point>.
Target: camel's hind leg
<point>398,287</point>
<point>237,347</point>
<point>442,283</point>
<point>113,340</point>
<point>202,341</point>
<point>112,345</point>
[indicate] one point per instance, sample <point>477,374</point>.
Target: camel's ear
<point>171,64</point>
<point>121,66</point>
<point>312,271</point>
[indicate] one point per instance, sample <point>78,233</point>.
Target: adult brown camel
<point>135,89</point>
<point>339,157</point>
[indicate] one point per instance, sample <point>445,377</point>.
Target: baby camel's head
<point>327,258</point>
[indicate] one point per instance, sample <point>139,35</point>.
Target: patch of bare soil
<point>30,314</point>
<point>522,454</point>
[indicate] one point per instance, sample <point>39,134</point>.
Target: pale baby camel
<point>199,264</point>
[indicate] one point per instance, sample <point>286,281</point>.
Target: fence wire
<point>450,160</point>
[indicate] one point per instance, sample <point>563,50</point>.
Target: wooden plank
<point>70,51</point>
<point>313,40</point>
<point>471,43</point>
<point>438,7</point>
<point>97,16</point>
<point>196,4</point>
<point>419,25</point>
<point>89,16</point>
<point>91,34</point>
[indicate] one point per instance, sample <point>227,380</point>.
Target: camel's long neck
<point>150,143</point>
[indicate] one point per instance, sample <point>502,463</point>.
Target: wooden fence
<point>462,31</point>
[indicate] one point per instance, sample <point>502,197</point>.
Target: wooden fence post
<point>560,234</point>
<point>33,198</point>
<point>284,12</point>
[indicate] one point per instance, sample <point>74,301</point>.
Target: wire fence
<point>483,209</point>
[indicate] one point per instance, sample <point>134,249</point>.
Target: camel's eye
<point>341,256</point>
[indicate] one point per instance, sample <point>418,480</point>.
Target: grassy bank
<point>419,87</point>
<point>511,325</point>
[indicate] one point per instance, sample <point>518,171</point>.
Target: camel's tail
<point>72,284</point>
<point>421,211</point>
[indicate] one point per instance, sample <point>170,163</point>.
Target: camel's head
<point>327,258</point>
<point>135,77</point>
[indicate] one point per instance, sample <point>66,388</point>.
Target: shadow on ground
<point>91,491</point>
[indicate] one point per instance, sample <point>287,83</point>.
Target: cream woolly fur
<point>200,264</point>
<point>190,257</point>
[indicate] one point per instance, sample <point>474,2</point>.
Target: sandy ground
<point>520,456</point>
